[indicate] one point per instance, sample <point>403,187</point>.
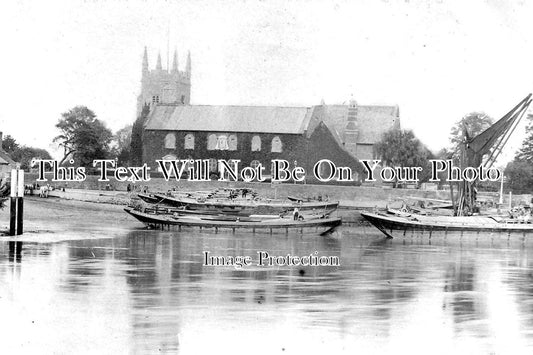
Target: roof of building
<point>5,159</point>
<point>260,119</point>
<point>372,121</point>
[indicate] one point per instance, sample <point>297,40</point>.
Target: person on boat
<point>296,213</point>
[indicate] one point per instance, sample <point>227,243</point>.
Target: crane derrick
<point>483,150</point>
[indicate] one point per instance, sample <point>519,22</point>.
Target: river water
<point>144,292</point>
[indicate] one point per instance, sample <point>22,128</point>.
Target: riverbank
<point>350,196</point>
<point>54,220</point>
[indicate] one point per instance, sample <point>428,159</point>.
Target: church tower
<point>164,85</point>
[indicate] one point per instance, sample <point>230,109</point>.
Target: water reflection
<point>148,291</point>
<point>15,251</point>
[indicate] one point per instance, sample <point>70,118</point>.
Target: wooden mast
<point>489,142</point>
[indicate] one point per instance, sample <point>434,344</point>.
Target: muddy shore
<point>55,219</point>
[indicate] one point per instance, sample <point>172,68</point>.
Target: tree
<point>9,144</point>
<point>23,154</point>
<point>519,172</point>
<point>122,145</point>
<point>83,137</point>
<point>474,123</point>
<point>136,152</point>
<point>519,176</point>
<point>400,148</point>
<point>525,154</point>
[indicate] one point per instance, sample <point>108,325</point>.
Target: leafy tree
<point>9,144</point>
<point>525,153</point>
<point>83,137</point>
<point>474,123</point>
<point>519,176</point>
<point>400,148</point>
<point>519,172</point>
<point>122,145</point>
<point>136,152</point>
<point>23,154</point>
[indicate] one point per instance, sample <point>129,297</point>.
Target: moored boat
<point>258,205</point>
<point>317,224</point>
<point>399,224</point>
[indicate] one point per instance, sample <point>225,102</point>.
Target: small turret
<point>145,61</point>
<point>188,65</point>
<point>175,62</point>
<point>158,65</point>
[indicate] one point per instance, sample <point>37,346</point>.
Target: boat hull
<point>318,225</point>
<point>390,225</point>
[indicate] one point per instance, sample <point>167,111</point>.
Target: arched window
<point>256,144</point>
<point>170,141</point>
<point>211,142</point>
<point>189,141</point>
<point>222,142</point>
<point>232,142</point>
<point>277,146</point>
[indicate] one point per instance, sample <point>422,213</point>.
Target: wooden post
<point>12,216</point>
<point>16,210</point>
<point>20,215</point>
<point>20,201</point>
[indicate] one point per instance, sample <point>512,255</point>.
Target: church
<point>175,129</point>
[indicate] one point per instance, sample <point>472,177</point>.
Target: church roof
<point>373,121</point>
<point>260,119</point>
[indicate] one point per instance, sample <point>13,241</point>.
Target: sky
<point>436,60</point>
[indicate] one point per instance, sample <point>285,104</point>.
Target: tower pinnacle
<point>175,62</point>
<point>145,60</point>
<point>158,65</point>
<point>188,65</point>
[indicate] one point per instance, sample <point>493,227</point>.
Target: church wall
<point>293,147</point>
<point>322,145</point>
<point>296,148</point>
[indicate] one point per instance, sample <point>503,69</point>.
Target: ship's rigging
<point>483,150</point>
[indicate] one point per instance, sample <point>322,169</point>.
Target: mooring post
<point>16,209</point>
<point>20,214</point>
<point>13,216</point>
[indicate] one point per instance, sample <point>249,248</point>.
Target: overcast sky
<point>438,60</point>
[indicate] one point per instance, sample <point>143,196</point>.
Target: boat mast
<point>489,142</point>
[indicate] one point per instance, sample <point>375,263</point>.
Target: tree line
<point>402,148</point>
